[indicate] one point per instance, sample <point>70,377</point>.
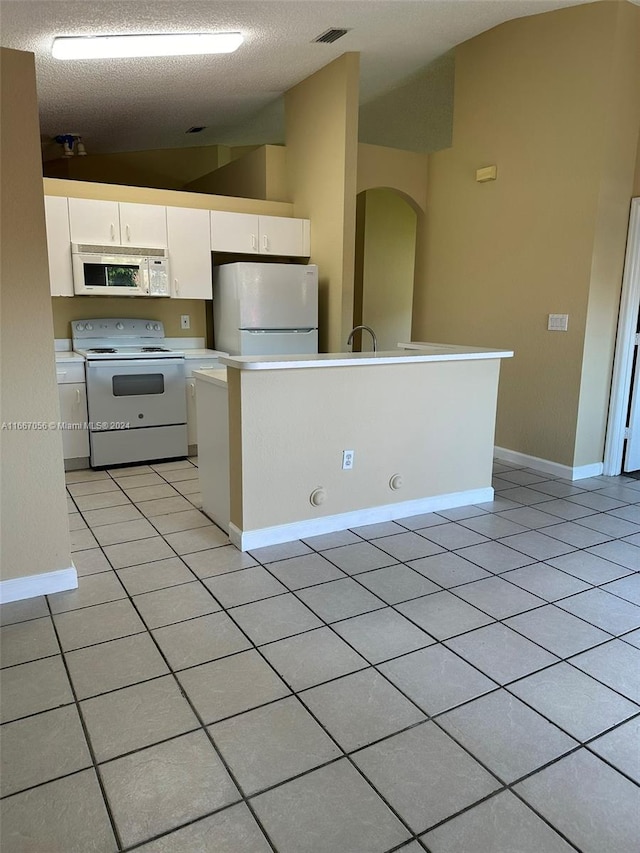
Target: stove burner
<point>155,349</point>
<point>101,350</point>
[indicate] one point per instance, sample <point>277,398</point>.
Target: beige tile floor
<point>458,682</point>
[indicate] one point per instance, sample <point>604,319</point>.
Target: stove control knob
<point>79,327</point>
<point>149,327</point>
<point>89,327</point>
<point>156,327</point>
<point>119,327</point>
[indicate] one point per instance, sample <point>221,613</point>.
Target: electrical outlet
<point>185,321</point>
<point>347,460</point>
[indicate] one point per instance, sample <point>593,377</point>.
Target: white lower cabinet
<point>73,413</point>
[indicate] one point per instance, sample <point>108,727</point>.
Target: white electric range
<point>135,391</point>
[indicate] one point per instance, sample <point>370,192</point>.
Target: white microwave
<point>119,271</point>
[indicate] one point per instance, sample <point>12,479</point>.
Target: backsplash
<point>168,311</point>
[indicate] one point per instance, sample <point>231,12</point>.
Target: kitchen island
<point>418,423</point>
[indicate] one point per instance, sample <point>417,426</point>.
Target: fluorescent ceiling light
<point>161,44</point>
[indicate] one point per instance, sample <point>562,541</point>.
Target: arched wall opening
<point>385,265</point>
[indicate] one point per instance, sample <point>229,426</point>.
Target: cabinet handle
<point>60,374</point>
<point>192,385</point>
<point>176,286</point>
<point>254,242</point>
<point>265,242</point>
<point>77,396</point>
<point>128,234</point>
<point>113,232</point>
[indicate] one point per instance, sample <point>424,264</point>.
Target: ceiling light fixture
<point>160,44</point>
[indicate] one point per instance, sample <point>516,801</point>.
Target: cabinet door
<point>282,235</point>
<point>192,425</point>
<point>94,222</point>
<point>189,253</point>
<point>56,211</point>
<point>234,232</point>
<point>143,225</point>
<point>73,410</point>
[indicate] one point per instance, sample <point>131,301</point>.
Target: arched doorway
<point>386,227</point>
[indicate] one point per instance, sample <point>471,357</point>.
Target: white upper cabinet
<point>143,225</point>
<point>250,234</point>
<point>93,221</point>
<point>56,211</point>
<point>234,232</point>
<point>105,223</point>
<point>189,253</point>
<point>282,235</point>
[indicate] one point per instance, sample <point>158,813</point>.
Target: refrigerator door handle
<point>305,331</point>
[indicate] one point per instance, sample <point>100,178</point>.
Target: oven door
<point>136,392</point>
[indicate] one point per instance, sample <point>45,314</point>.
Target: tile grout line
<point>76,703</point>
<point>374,666</point>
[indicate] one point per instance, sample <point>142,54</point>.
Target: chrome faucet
<point>368,329</point>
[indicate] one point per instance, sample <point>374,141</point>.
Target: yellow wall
<point>169,168</point>
<point>389,257</point>
<point>257,174</point>
<point>622,131</point>
<point>144,195</point>
<point>372,409</point>
<point>404,171</point>
<point>535,96</point>
<point>35,532</point>
<point>321,120</point>
<point>168,311</point>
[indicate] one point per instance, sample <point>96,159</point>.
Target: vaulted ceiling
<point>138,104</point>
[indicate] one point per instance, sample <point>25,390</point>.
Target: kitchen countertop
<point>67,356</point>
<point>214,376</point>
<point>413,352</point>
<point>203,353</point>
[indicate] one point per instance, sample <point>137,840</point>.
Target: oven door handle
<point>134,363</point>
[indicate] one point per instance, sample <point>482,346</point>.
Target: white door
<point>143,225</point>
<point>56,211</point>
<point>632,449</point>
<point>281,235</point>
<point>189,244</point>
<point>276,296</point>
<point>622,448</point>
<point>234,232</point>
<point>93,221</point>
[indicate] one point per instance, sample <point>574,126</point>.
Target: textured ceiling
<point>137,104</point>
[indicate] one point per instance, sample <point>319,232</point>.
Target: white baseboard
<point>580,472</point>
<point>30,586</point>
<point>247,540</point>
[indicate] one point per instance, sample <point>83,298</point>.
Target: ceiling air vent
<point>196,129</point>
<point>331,35</point>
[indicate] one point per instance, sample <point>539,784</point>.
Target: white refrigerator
<point>265,309</point>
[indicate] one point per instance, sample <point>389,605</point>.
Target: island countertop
<point>406,353</point>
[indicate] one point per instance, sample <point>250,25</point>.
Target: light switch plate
<point>185,321</point>
<point>558,322</point>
